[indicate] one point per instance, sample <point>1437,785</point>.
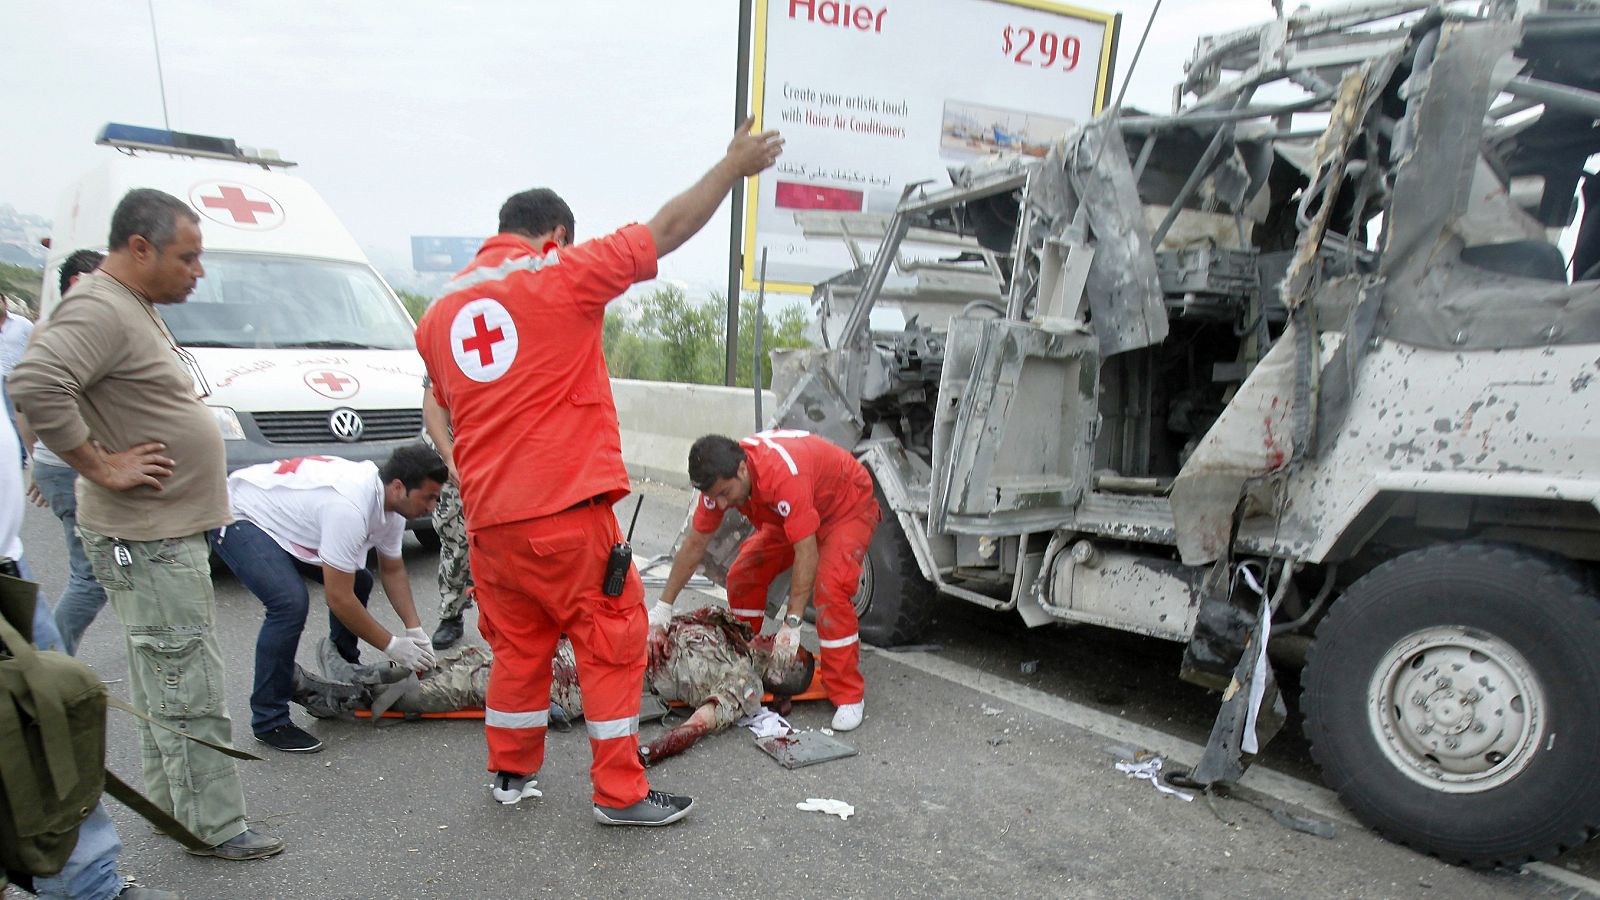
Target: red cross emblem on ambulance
<point>236,205</point>
<point>332,383</point>
<point>483,339</point>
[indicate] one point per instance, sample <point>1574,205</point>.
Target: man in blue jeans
<point>318,516</point>
<point>52,484</point>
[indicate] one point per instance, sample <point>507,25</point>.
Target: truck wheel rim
<point>1456,710</point>
<point>864,588</point>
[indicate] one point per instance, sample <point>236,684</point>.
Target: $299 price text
<point>1030,47</point>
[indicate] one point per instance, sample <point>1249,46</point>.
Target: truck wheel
<point>1449,701</point>
<point>894,603</point>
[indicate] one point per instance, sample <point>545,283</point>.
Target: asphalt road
<point>973,778</point>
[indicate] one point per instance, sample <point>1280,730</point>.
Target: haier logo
<point>845,15</point>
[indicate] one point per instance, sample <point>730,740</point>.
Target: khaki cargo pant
<point>162,593</point>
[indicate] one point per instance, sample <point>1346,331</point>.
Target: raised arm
<point>748,154</point>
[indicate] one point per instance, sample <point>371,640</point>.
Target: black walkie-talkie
<point>621,558</point>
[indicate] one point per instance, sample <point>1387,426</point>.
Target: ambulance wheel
<point>428,538</point>
<point>1449,701</point>
<point>894,603</point>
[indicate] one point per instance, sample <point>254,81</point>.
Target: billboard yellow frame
<point>758,75</point>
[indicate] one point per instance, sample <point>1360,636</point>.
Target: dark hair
<point>792,679</point>
<point>81,262</point>
<point>151,214</point>
<point>412,464</point>
<point>535,212</point>
<point>713,458</point>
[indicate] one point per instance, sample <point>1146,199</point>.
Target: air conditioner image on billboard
<point>975,129</point>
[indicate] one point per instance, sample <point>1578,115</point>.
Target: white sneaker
<point>848,716</point>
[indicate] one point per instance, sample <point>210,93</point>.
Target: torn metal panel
<point>816,404</point>
<point>1124,289</point>
<point>1462,262</point>
<point>1251,438</point>
<point>1021,449</point>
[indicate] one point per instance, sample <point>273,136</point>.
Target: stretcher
<point>816,691</point>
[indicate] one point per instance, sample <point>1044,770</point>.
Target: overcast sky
<point>415,117</point>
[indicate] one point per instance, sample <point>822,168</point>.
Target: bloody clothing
<point>801,485</point>
<point>513,351</point>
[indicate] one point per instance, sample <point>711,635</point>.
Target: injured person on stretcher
<point>706,659</point>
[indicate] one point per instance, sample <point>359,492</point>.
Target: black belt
<point>596,500</point>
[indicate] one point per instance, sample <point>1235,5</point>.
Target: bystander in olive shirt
<point>104,367</point>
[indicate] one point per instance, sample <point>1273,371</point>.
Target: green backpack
<point>52,748</point>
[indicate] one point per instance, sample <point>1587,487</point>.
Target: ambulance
<point>294,341</point>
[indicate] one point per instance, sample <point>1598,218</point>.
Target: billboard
<point>437,253</point>
<point>874,96</point>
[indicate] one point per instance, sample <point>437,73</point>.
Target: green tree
<point>666,337</point>
<point>690,335</point>
<point>781,329</point>
<point>22,282</point>
<point>629,353</point>
<point>415,303</point>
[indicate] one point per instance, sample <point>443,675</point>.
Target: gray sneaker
<point>247,845</point>
<point>511,788</point>
<point>657,808</point>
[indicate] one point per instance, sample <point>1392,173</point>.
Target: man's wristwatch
<point>792,620</point>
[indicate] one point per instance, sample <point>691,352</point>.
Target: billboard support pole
<point>741,102</point>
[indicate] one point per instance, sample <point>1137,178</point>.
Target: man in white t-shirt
<point>14,334</point>
<point>318,516</point>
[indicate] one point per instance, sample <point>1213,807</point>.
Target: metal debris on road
<point>1150,770</point>
<point>1309,826</point>
<point>805,748</point>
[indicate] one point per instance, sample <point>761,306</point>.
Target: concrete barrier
<point>660,419</point>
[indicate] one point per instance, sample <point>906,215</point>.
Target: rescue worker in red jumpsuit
<point>513,351</point>
<point>815,512</point>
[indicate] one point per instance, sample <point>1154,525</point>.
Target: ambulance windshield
<point>285,302</point>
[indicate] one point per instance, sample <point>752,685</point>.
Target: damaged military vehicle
<point>1313,359</point>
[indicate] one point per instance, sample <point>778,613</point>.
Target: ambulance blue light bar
<point>178,143</point>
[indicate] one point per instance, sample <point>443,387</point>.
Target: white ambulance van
<point>296,343</point>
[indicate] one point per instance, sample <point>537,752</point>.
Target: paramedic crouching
<point>318,516</point>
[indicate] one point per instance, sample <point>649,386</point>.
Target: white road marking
<point>1310,797</point>
<point>1314,799</point>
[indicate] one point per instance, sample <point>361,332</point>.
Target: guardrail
<point>660,419</point>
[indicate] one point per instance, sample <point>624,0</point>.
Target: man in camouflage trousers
<point>450,524</point>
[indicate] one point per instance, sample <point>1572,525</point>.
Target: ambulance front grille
<point>313,427</point>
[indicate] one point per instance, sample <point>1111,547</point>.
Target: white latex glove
<point>409,653</point>
<point>785,644</point>
<point>660,615</point>
<point>421,637</point>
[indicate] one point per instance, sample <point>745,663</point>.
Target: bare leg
<point>682,737</point>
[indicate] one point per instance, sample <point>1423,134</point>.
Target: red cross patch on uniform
<point>483,339</point>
